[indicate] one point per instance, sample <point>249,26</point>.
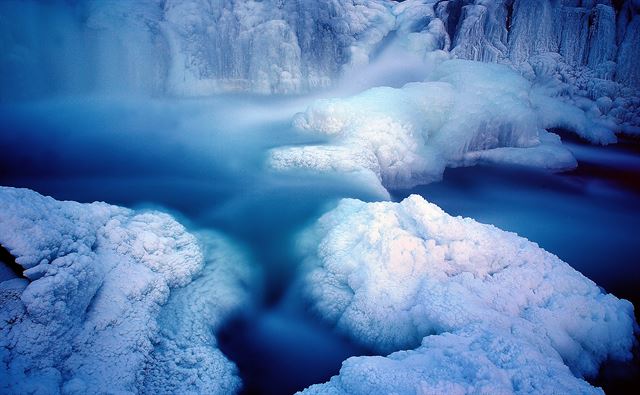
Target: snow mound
<point>494,312</point>
<point>468,112</point>
<point>113,296</point>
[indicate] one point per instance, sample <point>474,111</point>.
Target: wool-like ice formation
<point>482,310</point>
<point>469,112</point>
<point>114,300</point>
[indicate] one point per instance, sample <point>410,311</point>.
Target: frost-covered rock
<point>469,112</point>
<point>186,47</point>
<point>203,47</point>
<point>185,359</point>
<point>596,43</point>
<point>113,296</point>
<point>483,310</point>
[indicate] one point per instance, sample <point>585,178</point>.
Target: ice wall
<point>186,48</point>
<point>201,47</point>
<point>585,33</point>
<point>586,49</point>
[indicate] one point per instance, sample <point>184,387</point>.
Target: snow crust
<point>118,301</point>
<point>468,112</point>
<point>480,309</point>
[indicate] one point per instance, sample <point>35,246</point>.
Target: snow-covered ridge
<point>467,113</point>
<point>483,310</point>
<point>118,301</point>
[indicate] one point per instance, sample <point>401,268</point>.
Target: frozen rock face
<point>470,112</point>
<point>201,47</point>
<point>585,33</point>
<point>269,46</point>
<point>483,310</point>
<point>186,48</point>
<point>597,45</point>
<point>113,293</point>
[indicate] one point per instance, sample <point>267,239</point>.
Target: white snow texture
<point>468,112</point>
<point>483,311</point>
<point>118,301</point>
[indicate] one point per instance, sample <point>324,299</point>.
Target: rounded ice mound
<point>485,363</point>
<point>393,275</point>
<point>114,295</point>
<point>467,113</point>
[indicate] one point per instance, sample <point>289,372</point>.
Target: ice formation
<point>114,300</point>
<point>480,309</point>
<point>586,49</point>
<point>191,47</point>
<point>468,112</point>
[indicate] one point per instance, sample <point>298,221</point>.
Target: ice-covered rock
<point>202,47</point>
<point>596,43</point>
<point>116,298</point>
<point>185,47</point>
<point>483,310</point>
<point>185,359</point>
<point>467,112</point>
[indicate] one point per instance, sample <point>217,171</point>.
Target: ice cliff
<point>187,48</point>
<point>480,310</point>
<point>199,47</point>
<point>585,49</point>
<point>114,300</point>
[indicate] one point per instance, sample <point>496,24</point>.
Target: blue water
<point>203,160</point>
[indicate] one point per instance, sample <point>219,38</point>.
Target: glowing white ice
<point>114,293</point>
<point>483,310</point>
<point>468,112</point>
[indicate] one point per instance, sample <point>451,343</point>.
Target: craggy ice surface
<point>483,311</point>
<point>468,112</point>
<point>584,51</point>
<point>114,300</point>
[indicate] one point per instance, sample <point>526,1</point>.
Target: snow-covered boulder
<point>468,112</point>
<point>114,300</point>
<point>483,310</point>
